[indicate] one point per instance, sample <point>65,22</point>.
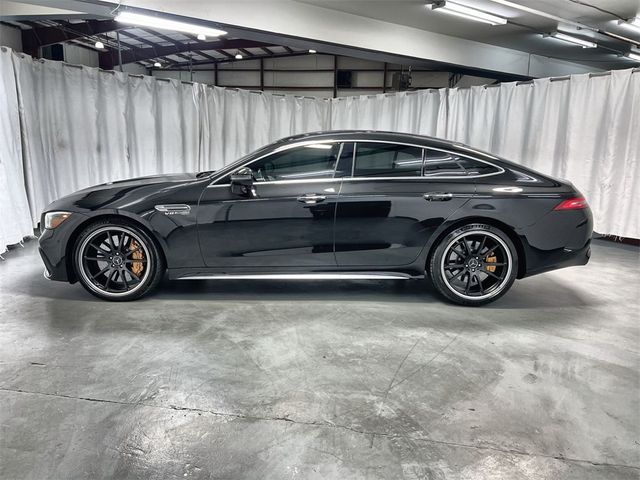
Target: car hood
<point>115,194</point>
<point>148,180</point>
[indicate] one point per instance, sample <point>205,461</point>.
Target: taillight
<point>575,203</point>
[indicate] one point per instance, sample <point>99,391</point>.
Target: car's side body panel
<point>176,234</point>
<point>274,227</point>
<point>386,223</point>
<point>362,224</point>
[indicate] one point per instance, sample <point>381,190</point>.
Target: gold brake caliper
<point>138,254</point>
<point>493,259</point>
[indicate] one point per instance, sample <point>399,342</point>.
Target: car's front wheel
<point>474,264</point>
<point>116,260</point>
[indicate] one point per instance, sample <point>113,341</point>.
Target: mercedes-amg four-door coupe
<point>327,205</point>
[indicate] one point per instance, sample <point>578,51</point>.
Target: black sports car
<point>342,204</point>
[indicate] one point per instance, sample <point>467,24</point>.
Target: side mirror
<point>242,182</point>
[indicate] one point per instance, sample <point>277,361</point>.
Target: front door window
<point>315,161</point>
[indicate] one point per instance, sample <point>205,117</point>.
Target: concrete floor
<point>322,380</point>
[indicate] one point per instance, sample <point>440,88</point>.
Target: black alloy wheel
<point>474,265</point>
<point>116,260</point>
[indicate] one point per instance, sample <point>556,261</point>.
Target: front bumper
<point>53,249</point>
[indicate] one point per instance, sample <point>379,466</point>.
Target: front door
<point>285,221</point>
<point>396,198</point>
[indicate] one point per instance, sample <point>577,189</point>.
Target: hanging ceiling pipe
<point>119,49</point>
<point>565,21</point>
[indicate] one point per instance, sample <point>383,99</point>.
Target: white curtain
<point>71,127</point>
<point>14,208</point>
<point>415,112</point>
<point>585,129</point>
<point>240,121</point>
<point>82,126</point>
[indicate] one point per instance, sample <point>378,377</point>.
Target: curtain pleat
<point>83,126</point>
<point>584,129</point>
<point>15,218</point>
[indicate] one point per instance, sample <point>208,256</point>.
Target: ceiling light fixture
<point>238,56</point>
<point>202,37</point>
<point>633,56</point>
<point>311,50</point>
<point>99,45</point>
<point>157,65</point>
<point>570,39</point>
<point>632,22</point>
<point>459,10</point>
<point>162,23</point>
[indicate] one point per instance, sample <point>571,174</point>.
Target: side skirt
<point>302,276</point>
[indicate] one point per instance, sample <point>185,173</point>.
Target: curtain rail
<point>185,82</point>
<point>388,94</point>
<point>522,82</point>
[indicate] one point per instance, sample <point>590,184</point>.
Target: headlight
<point>54,219</point>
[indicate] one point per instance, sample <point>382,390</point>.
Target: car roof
<point>369,135</point>
<point>386,136</point>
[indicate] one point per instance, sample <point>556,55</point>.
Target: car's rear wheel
<point>116,260</point>
<point>474,264</point>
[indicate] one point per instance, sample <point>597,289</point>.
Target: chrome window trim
<point>273,152</point>
<point>352,178</point>
<point>355,158</point>
<point>500,169</point>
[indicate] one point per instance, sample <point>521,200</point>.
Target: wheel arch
<point>508,230</point>
<point>140,223</point>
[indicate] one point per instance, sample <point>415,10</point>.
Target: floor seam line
<point>325,425</point>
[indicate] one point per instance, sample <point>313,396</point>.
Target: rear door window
<point>387,160</point>
<point>449,164</point>
<point>442,164</point>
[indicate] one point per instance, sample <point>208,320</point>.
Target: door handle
<point>311,198</point>
<point>438,196</point>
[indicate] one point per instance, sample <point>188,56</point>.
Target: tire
<point>474,264</point>
<point>116,260</point>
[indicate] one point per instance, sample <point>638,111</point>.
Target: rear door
<point>396,197</point>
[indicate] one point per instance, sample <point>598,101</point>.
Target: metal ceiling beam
<point>109,59</point>
<point>186,57</point>
<point>39,36</point>
<point>226,54</point>
<point>205,55</point>
<point>164,37</point>
<point>130,35</point>
<point>231,58</point>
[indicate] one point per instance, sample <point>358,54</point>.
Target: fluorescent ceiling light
<point>633,56</point>
<point>202,37</point>
<point>166,24</point>
<point>632,22</point>
<point>459,10</point>
<point>311,50</point>
<point>238,56</point>
<point>570,39</point>
<point>157,64</point>
<point>99,45</point>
